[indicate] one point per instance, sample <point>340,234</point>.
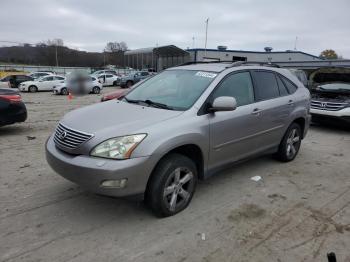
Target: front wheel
<point>32,89</point>
<point>96,90</point>
<point>172,185</point>
<point>290,143</point>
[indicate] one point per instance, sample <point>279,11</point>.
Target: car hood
<point>115,118</point>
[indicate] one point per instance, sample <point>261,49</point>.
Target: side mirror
<point>223,103</point>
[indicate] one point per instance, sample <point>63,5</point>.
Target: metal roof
<point>168,50</point>
<point>254,52</point>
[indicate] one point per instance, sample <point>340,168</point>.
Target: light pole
<point>206,36</point>
<point>56,56</point>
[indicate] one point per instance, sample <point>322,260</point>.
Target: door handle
<point>290,103</point>
<point>256,111</point>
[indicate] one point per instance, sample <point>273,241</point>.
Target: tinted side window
<point>265,85</point>
<point>144,73</point>
<point>49,78</point>
<point>289,85</point>
<point>282,87</point>
<point>237,85</point>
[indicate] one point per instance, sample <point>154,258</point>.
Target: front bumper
<point>90,172</point>
<point>340,115</point>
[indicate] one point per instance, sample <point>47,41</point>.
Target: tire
<point>172,185</point>
<point>129,84</point>
<point>32,89</point>
<point>96,90</point>
<point>115,83</point>
<point>64,91</point>
<point>290,144</point>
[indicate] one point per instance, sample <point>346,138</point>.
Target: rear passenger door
<point>272,108</point>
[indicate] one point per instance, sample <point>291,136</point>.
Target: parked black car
<point>12,109</point>
<point>15,80</point>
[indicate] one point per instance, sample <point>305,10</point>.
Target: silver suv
<point>181,125</point>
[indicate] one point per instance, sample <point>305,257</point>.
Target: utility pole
<point>56,56</point>
<point>295,43</point>
<point>206,36</point>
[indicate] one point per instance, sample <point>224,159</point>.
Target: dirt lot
<point>299,211</point>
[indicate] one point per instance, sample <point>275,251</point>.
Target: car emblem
<point>323,105</point>
<point>63,135</point>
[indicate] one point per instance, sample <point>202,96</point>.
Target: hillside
<point>45,55</point>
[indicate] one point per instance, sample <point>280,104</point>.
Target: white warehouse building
<point>222,54</point>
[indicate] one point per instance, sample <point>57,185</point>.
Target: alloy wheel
<point>178,188</point>
<point>293,143</point>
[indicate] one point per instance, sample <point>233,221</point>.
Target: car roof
<point>212,67</point>
<point>219,67</point>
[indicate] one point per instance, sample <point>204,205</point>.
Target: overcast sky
<point>239,24</point>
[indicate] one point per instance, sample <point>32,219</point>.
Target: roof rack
<point>240,63</point>
<point>232,64</point>
<point>204,62</point>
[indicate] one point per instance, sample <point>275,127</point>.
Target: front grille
<point>331,106</point>
<point>70,138</point>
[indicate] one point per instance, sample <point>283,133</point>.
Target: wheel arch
<point>301,121</point>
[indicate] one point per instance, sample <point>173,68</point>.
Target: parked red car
<point>115,94</point>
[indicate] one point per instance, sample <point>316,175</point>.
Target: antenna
<point>192,42</point>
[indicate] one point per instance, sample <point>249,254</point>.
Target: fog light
<point>120,183</point>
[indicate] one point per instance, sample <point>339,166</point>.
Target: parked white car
<point>38,75</point>
<point>106,71</point>
<point>92,85</point>
<point>45,83</point>
<point>109,79</point>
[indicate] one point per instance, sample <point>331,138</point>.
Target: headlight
<point>118,147</point>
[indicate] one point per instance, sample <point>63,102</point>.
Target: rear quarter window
<point>291,87</point>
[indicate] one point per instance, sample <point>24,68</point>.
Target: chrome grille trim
<point>331,106</point>
<point>73,138</point>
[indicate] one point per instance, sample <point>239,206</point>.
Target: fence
<point>58,70</point>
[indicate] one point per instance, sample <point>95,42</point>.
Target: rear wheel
<point>32,89</point>
<point>64,91</point>
<point>96,90</point>
<point>172,185</point>
<point>129,84</point>
<point>290,143</point>
<point>115,83</point>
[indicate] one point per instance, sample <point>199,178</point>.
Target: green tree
<point>329,54</point>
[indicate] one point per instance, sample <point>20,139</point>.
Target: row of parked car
<point>13,110</point>
<point>49,81</point>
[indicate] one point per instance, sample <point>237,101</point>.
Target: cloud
<point>239,24</point>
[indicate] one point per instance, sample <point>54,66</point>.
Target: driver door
<point>232,133</point>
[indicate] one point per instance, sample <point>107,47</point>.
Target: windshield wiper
<point>149,103</point>
<point>159,105</point>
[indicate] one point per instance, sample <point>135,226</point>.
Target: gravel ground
<point>299,211</point>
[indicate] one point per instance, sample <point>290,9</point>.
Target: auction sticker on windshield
<point>206,74</point>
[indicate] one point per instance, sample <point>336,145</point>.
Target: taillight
<point>12,98</point>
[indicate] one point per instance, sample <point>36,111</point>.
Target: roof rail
<point>240,63</point>
<point>204,62</point>
<point>230,64</point>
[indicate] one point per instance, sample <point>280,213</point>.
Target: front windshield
<point>177,89</point>
<point>335,87</point>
